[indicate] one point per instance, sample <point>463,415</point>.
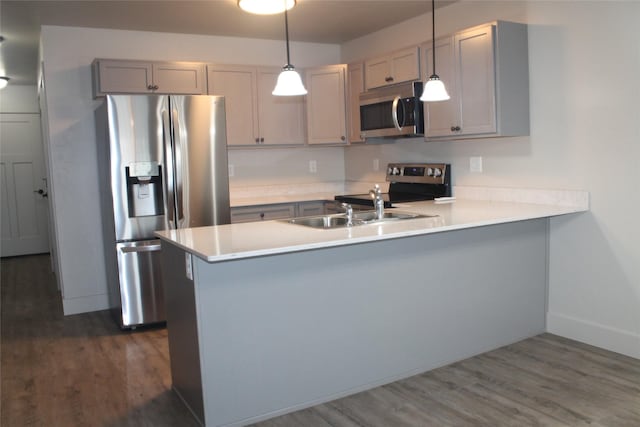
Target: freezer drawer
<point>140,277</point>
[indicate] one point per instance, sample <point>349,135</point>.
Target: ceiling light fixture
<point>266,7</point>
<point>434,90</point>
<point>289,82</point>
<point>4,81</point>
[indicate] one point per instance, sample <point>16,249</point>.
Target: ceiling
<point>322,21</point>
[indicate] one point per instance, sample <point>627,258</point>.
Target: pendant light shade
<point>4,81</point>
<point>266,7</point>
<point>289,82</point>
<point>434,90</point>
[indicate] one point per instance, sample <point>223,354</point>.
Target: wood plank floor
<point>83,371</point>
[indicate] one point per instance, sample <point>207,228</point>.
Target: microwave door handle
<point>394,112</point>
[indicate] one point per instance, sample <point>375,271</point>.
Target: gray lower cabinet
<point>311,208</point>
<point>281,211</point>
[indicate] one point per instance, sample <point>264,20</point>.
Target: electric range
<point>409,182</point>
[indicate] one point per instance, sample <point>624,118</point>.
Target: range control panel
<point>424,173</point>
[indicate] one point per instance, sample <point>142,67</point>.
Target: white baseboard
<point>85,304</point>
<point>617,340</point>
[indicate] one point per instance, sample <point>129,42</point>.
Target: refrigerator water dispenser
<point>144,189</point>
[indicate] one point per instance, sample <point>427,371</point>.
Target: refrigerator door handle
<point>169,169</point>
<point>143,248</point>
<point>178,153</point>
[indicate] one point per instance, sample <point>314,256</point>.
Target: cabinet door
<point>115,76</point>
<point>326,115</point>
<point>378,72</point>
<point>442,116</point>
<point>476,80</point>
<point>396,67</point>
<point>281,118</point>
<point>355,84</point>
<point>238,86</point>
<point>405,65</point>
<point>179,78</point>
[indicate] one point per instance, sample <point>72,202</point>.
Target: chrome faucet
<point>349,211</point>
<point>378,203</point>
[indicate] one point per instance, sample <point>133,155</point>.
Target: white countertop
<point>246,240</point>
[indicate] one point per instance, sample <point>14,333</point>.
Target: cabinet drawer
<point>311,208</point>
<point>262,213</point>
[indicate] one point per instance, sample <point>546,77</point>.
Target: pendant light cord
<point>286,30</point>
<point>433,33</point>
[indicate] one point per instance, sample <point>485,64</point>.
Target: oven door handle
<point>394,113</point>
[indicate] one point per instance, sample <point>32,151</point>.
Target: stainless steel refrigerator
<point>163,166</point>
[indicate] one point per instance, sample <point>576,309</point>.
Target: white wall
<point>584,60</point>
<point>67,53</point>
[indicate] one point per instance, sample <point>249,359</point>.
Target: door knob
<point>41,192</point>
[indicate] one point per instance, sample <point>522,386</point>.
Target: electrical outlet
<point>232,170</point>
<point>376,165</point>
<point>188,265</point>
<point>475,164</point>
<point>313,166</point>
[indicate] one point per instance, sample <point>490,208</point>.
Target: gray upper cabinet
<point>326,105</point>
<point>396,67</point>
<point>124,76</point>
<point>254,115</point>
<point>486,72</point>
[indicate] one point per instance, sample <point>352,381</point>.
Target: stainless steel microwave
<point>392,112</point>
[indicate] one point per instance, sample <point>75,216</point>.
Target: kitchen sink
<point>369,216</point>
<point>360,218</point>
<point>323,221</point>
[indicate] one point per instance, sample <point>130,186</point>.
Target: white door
<point>23,186</point>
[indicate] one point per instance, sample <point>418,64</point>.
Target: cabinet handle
<point>455,128</point>
<point>150,87</point>
<point>261,215</point>
<point>261,140</point>
<point>388,79</point>
<point>155,87</point>
<point>343,138</point>
<point>257,140</point>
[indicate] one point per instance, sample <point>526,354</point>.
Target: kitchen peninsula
<point>269,317</point>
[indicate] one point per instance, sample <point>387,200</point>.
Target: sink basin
<point>360,218</point>
<point>323,221</point>
<point>369,216</point>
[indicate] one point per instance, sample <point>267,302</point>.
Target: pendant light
<point>434,90</point>
<point>289,82</point>
<point>266,7</point>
